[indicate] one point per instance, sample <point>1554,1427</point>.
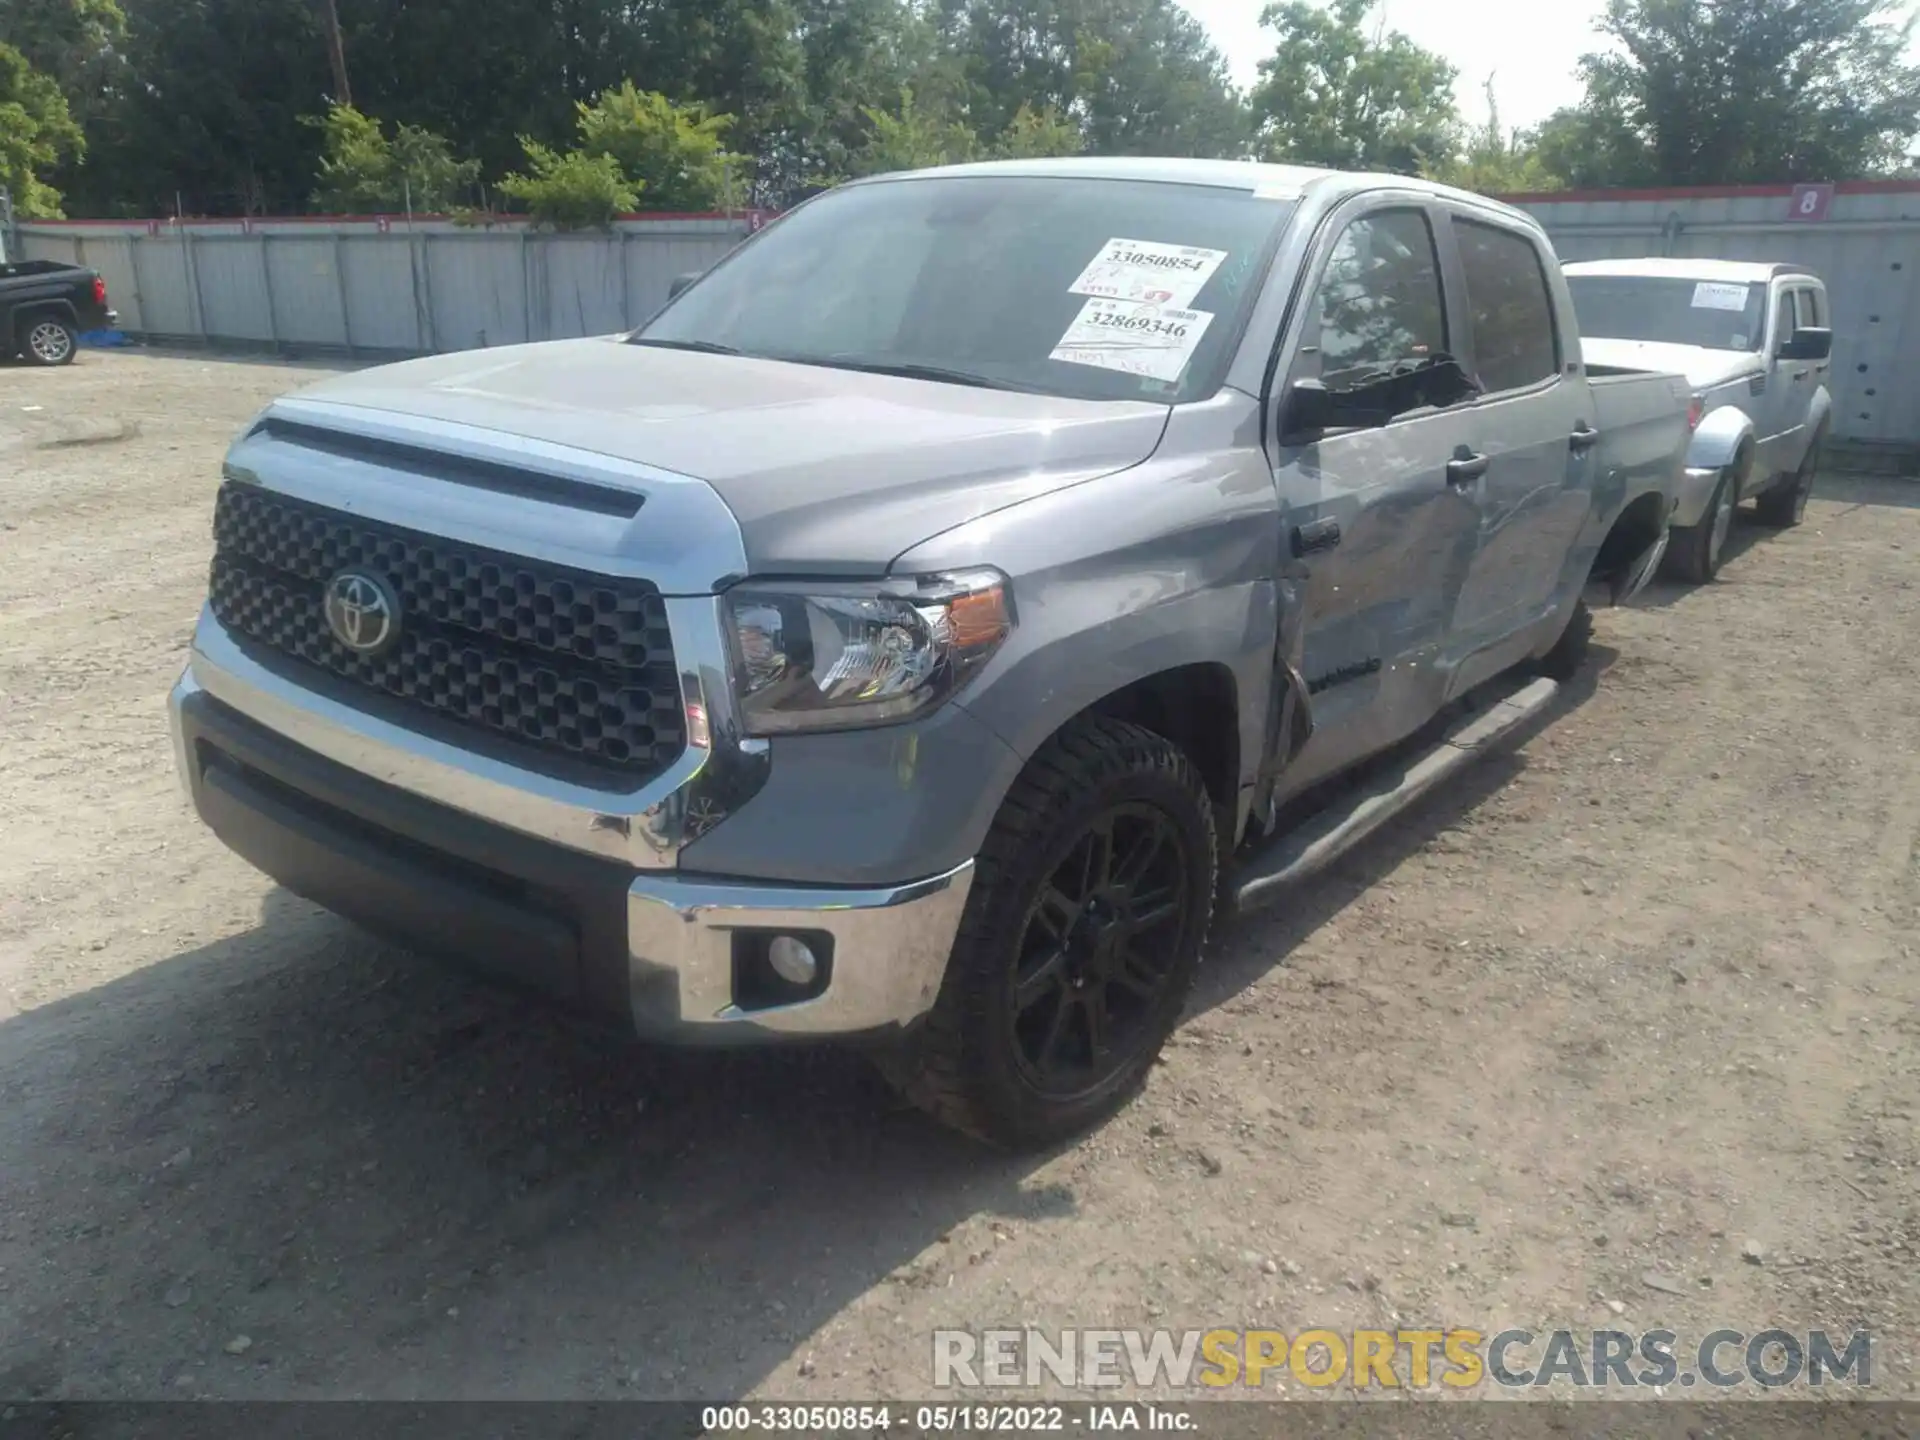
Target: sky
<point>1529,46</point>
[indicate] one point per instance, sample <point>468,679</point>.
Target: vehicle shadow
<point>396,1182</point>
<point>1246,947</point>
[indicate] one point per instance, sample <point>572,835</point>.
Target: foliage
<point>1720,92</point>
<point>73,42</point>
<point>1036,134</point>
<point>199,103</point>
<point>912,138</point>
<point>571,190</point>
<point>1331,95</point>
<point>676,155</point>
<point>364,172</point>
<point>1137,76</point>
<point>36,131</point>
<point>209,114</point>
<point>1495,161</point>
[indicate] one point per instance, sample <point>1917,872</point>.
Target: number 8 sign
<point>1810,202</point>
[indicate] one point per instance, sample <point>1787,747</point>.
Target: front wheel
<point>49,341</point>
<point>1090,903</point>
<point>1694,551</point>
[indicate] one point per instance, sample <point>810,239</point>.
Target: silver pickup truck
<point>911,631</point>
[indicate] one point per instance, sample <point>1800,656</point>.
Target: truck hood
<point>825,470</point>
<point>1703,368</point>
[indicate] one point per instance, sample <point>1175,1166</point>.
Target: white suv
<point>1755,342</point>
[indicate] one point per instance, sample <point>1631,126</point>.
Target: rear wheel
<point>1090,903</point>
<point>49,340</point>
<point>1785,506</point>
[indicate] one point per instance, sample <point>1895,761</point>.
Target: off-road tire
<point>1569,652</point>
<point>47,340</point>
<point>961,1064</point>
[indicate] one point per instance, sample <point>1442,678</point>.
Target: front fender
<point>1171,564</point>
<point>1719,438</point>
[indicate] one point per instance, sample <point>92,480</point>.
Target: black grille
<point>564,662</point>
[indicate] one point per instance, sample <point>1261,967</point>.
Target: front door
<point>1378,530</point>
<point>1781,409</point>
<point>1530,426</point>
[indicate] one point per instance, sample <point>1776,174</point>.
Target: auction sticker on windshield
<point>1148,272</point>
<point>1156,341</point>
<point>1710,296</point>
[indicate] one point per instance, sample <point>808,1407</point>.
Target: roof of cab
<point>1281,182</point>
<point>1735,272</point>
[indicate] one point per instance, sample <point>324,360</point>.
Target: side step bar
<point>1330,834</point>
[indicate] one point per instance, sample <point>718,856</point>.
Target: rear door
<point>1377,534</point>
<point>1533,429</point>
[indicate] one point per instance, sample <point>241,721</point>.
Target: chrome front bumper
<point>889,953</point>
<point>676,971</point>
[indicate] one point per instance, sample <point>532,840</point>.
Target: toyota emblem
<point>362,612</point>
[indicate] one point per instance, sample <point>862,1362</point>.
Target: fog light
<point>792,960</point>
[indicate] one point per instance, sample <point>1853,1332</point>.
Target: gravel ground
<point>1624,1003</point>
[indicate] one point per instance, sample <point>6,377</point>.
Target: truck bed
<point>1642,419</point>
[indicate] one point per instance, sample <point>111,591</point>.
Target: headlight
<point>834,657</point>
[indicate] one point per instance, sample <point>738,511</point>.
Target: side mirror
<point>1809,342</point>
<point>681,282</point>
<point>1312,409</point>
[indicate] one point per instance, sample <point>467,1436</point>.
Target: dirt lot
<point>1621,1003</point>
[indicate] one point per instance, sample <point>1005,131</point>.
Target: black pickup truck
<point>46,306</point>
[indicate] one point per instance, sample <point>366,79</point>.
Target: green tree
<point>1036,134</point>
<point>36,133</point>
<point>1720,92</point>
<point>911,138</point>
<point>676,155</point>
<point>1332,95</point>
<point>71,41</point>
<point>364,172</point>
<point>1137,76</point>
<point>210,112</point>
<point>1493,160</point>
<point>571,190</point>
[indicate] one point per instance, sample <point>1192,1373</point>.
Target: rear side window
<point>1513,337</point>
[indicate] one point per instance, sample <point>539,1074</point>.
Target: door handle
<point>1315,537</point>
<point>1466,467</point>
<point>1584,438</point>
<point>1800,374</point>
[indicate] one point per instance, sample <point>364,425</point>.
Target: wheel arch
<point>28,311</point>
<point>1716,444</point>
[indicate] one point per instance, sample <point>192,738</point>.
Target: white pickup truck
<point>1755,341</point>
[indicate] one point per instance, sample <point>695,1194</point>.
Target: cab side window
<point>1379,302</point>
<point>1514,341</point>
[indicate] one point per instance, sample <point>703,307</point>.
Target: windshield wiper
<point>704,347</point>
<point>906,369</point>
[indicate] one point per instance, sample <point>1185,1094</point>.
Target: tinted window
<point>1379,301</point>
<point>977,274</point>
<point>1710,314</point>
<point>1513,339</point>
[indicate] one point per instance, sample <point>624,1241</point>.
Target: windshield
<point>1095,289</point>
<point>1712,314</point>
